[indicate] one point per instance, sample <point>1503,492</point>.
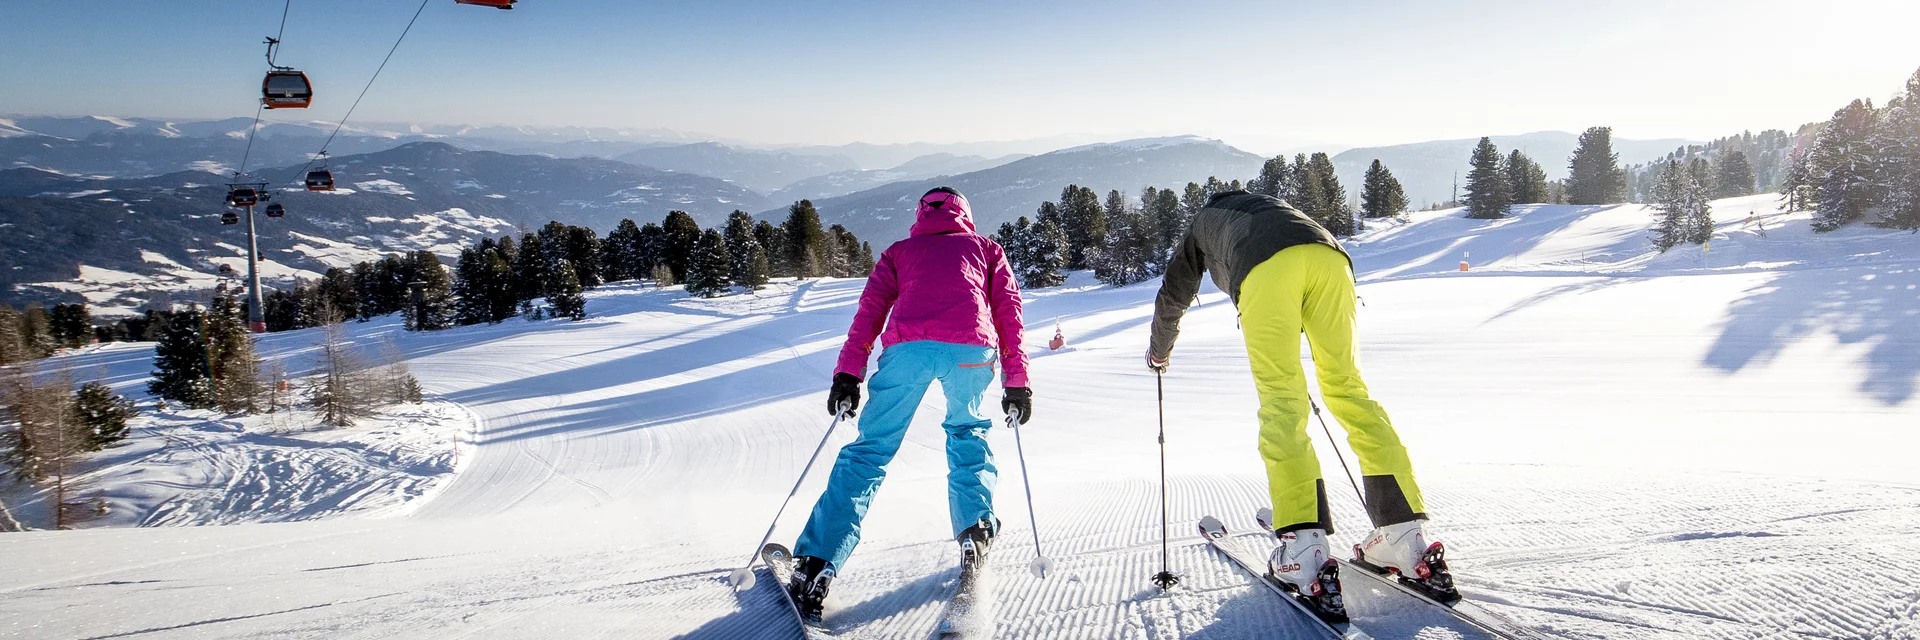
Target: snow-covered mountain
<point>1003,193</point>
<point>762,171</point>
<point>113,241</point>
<point>1613,443</point>
<point>134,147</point>
<point>844,182</point>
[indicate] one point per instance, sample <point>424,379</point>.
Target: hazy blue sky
<point>1260,74</point>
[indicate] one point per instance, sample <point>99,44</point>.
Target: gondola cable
<point>248,155</point>
<point>363,90</point>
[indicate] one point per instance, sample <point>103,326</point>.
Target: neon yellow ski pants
<point>1310,288</point>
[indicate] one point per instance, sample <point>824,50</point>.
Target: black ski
<point>1216,534</point>
<point>1465,611</point>
<point>779,561</point>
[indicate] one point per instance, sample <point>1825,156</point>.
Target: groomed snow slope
<point>1614,444</point>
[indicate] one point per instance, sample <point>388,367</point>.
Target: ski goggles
<point>943,200</point>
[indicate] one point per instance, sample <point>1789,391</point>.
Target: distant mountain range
<point>1005,192</point>
<point>111,240</point>
<point>102,208</point>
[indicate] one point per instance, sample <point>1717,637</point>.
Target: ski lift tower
<point>246,195</point>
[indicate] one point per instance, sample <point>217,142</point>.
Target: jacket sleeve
<point>1177,290</point>
<point>1003,295</point>
<point>876,301</point>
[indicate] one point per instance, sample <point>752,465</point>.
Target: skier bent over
<point>950,306</point>
<point>1287,275</point>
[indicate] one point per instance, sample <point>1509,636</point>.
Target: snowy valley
<point>1710,442</point>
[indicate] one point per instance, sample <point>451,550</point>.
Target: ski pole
<point>742,578</point>
<point>1336,450</point>
<point>1165,579</point>
<point>1040,563</point>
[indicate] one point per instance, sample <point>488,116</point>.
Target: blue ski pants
<point>905,371</point>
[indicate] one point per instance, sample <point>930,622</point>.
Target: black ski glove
<point>846,391</point>
<point>1017,401</point>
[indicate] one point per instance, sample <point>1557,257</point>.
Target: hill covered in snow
<point>1713,442</point>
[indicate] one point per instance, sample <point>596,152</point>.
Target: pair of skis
<point>1468,613</point>
<point>967,615</point>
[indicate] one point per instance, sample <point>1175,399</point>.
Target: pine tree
<point>336,291</point>
<point>757,270</point>
<point>581,248</point>
<point>707,275</point>
<point>470,285</point>
<point>864,265</point>
<point>1736,175</point>
<point>1526,181</point>
<point>1041,250</point>
<point>1329,198</point>
<point>1897,146</point>
<point>1697,198</point>
<point>774,244</point>
<point>432,307</point>
<point>1169,221</point>
<point>1842,167</point>
<point>231,362</point>
<point>102,413</point>
<point>504,296</point>
<point>1192,200</point>
<point>806,241</point>
<point>1594,170</point>
<point>1670,209</point>
<point>1702,171</point>
<point>651,252</point>
<point>36,332</point>
<point>682,233</point>
<point>1797,184</point>
<point>1085,222</point>
<point>742,248</point>
<point>10,349</point>
<point>1273,175</point>
<point>70,325</point>
<point>1127,256</point>
<point>563,292</point>
<point>530,268</point>
<point>1487,196</point>
<point>181,361</point>
<point>620,254</point>
<point>846,252</point>
<point>1381,195</point>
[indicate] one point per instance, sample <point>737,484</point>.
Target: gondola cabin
<point>497,4</point>
<point>276,211</point>
<point>243,197</point>
<point>229,217</point>
<point>319,180</point>
<point>286,89</point>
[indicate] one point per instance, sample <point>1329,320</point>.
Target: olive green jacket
<point>1234,233</point>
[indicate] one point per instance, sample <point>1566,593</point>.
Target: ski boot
<point>808,587</point>
<point>974,543</point>
<point>1403,550</point>
<point>1304,566</point>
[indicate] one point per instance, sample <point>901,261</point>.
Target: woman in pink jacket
<point>950,308</point>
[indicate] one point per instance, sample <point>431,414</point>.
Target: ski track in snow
<point>1721,455</point>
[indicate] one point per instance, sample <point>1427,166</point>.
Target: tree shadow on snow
<point>1876,306</point>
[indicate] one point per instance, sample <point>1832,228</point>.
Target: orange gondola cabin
<point>229,217</point>
<point>243,196</point>
<point>319,180</point>
<point>286,89</point>
<point>276,211</point>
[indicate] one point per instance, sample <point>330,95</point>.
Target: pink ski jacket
<point>943,283</point>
